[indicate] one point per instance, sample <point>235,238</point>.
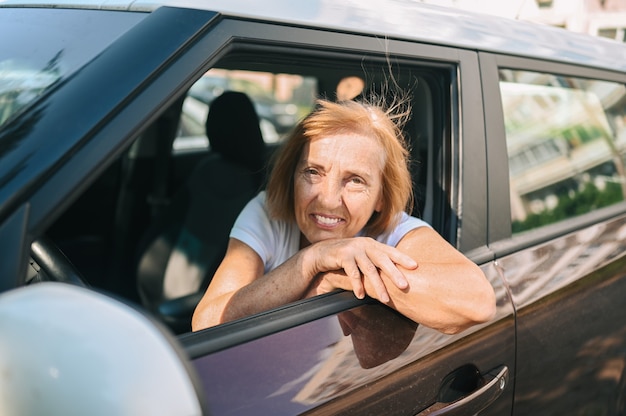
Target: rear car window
<point>57,42</point>
<point>566,142</point>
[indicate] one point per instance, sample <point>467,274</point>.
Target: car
<point>518,147</point>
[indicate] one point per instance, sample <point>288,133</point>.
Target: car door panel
<point>571,326</point>
<point>316,368</point>
<point>363,360</point>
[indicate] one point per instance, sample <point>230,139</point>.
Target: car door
<point>335,354</point>
<point>558,228</point>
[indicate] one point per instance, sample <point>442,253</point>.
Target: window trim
<point>500,234</point>
<point>230,334</point>
<point>224,336</point>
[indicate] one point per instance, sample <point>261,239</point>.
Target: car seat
<point>185,245</point>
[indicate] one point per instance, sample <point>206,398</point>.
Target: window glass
<point>544,4</point>
<point>280,101</point>
<point>53,44</point>
<point>609,32</point>
<point>616,33</point>
<point>566,141</point>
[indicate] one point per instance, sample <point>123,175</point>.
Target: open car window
<point>154,226</point>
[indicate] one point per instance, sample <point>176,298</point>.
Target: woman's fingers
<point>371,273</point>
<point>364,259</point>
<point>399,258</point>
<point>354,274</point>
<point>389,268</point>
<point>387,259</point>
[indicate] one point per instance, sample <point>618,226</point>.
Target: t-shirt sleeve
<point>253,228</point>
<point>406,224</point>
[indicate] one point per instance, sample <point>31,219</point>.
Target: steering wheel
<point>54,263</point>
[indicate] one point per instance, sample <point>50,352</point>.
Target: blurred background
<point>605,18</point>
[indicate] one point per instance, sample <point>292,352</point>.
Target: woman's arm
<point>424,278</point>
<point>447,291</point>
<point>239,288</point>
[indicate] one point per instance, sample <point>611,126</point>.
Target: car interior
<point>154,227</point>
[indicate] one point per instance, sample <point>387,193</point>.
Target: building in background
<point>606,18</point>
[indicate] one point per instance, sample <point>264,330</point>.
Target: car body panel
<point>419,22</point>
<point>570,328</point>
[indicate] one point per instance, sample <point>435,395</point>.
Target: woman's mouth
<point>326,221</point>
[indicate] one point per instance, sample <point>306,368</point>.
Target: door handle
<point>488,389</point>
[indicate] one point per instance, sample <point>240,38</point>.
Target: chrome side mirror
<point>68,350</point>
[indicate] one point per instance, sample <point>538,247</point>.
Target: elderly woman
<point>333,217</point>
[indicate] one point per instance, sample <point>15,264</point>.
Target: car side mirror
<point>69,350</point>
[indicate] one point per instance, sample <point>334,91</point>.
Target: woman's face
<point>338,186</point>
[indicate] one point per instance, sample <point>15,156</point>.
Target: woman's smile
<point>326,221</point>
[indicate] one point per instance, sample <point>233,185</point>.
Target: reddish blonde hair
<point>333,118</point>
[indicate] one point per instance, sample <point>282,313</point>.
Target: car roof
<point>399,19</point>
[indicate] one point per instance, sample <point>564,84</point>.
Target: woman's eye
<point>357,181</point>
<point>310,172</point>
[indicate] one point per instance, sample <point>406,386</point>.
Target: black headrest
<point>233,130</point>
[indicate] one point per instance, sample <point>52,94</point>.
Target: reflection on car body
<point>517,141</point>
<point>333,366</point>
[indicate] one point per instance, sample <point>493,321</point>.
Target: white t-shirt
<point>276,241</point>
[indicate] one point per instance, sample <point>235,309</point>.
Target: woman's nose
<point>330,193</point>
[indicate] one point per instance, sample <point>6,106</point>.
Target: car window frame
<point>500,237</point>
<point>227,335</point>
<point>465,188</point>
<point>466,152</point>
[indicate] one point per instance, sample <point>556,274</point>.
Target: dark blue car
<point>518,138</point>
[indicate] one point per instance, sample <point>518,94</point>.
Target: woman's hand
<point>448,292</point>
<point>348,263</point>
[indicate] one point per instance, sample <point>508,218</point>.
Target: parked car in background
<point>518,145</point>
